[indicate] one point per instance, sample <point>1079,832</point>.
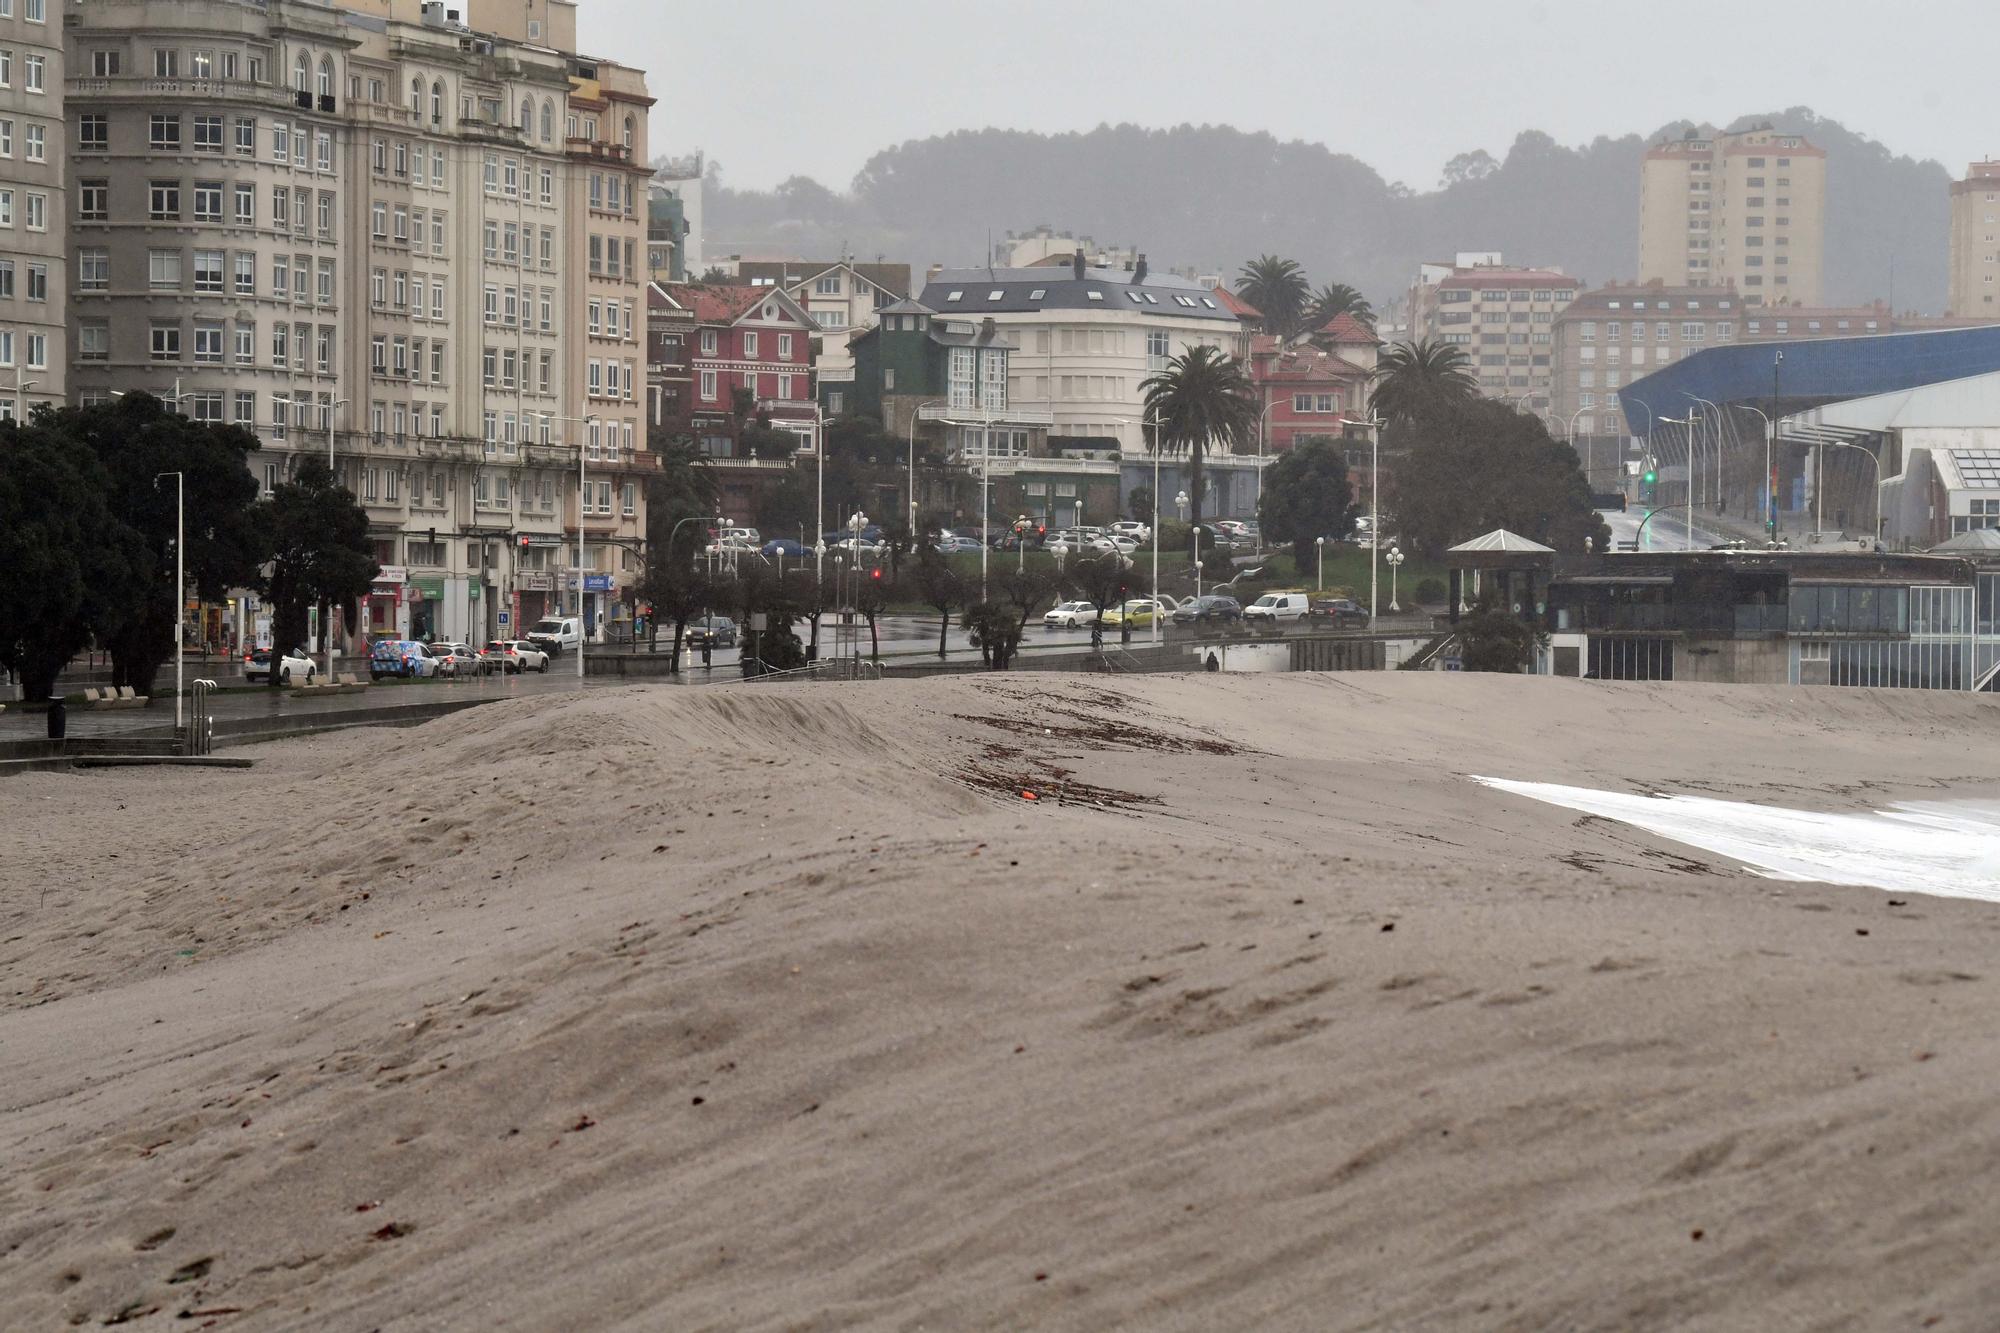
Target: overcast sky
<point>774,88</point>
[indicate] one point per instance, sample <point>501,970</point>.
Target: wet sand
<point>780,1008</point>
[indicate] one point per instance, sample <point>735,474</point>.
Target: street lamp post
<point>1687,422</point>
<point>21,388</point>
<point>1770,488</point>
<point>1870,455</point>
<point>180,590</point>
<point>582,624</point>
<point>1197,552</point>
<point>1716,412</point>
<point>1374,424</point>
<point>1395,562</point>
<point>326,630</point>
<point>1319,549</point>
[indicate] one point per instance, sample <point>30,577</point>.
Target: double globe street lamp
<point>1395,562</point>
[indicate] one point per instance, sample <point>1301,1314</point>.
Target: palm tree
<point>1201,401</point>
<point>1278,288</point>
<point>1336,299</point>
<point>1415,379</point>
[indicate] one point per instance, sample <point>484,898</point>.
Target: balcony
<point>996,417</point>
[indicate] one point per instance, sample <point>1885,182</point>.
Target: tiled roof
<point>716,304</point>
<point>1346,329</point>
<point>1235,304</point>
<point>1305,366</point>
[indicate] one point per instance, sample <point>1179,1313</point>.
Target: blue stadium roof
<point>1812,371</point>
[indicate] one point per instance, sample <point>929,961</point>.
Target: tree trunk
<point>680,632</point>
<point>874,640</point>
<point>1194,483</point>
<point>944,628</point>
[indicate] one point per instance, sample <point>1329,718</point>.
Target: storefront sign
<point>535,582</point>
<point>426,590</point>
<point>597,583</point>
<point>393,574</point>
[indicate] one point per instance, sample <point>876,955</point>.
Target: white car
<point>292,666</point>
<point>1276,607</point>
<point>514,656</point>
<point>858,545</point>
<point>1112,542</point>
<point>458,660</point>
<point>1132,529</point>
<point>1070,615</point>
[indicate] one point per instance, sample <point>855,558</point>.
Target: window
<point>784,345</point>
<point>163,270</point>
<point>93,200</point>
<point>208,270</point>
<point>35,71</point>
<point>93,342</point>
<point>37,149</point>
<point>749,344</point>
<point>93,268</point>
<point>93,133</point>
<point>208,201</point>
<point>246,344</point>
<point>164,132</point>
<point>166,342</point>
<point>208,345</point>
<point>708,384</point>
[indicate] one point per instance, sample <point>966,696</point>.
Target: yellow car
<point>1134,613</point>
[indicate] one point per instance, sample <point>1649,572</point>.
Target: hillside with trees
<point>1213,196</point>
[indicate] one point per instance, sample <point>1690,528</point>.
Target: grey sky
<point>773,88</point>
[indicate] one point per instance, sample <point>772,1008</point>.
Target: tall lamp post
<point>1319,549</point>
<point>1374,424</point>
<point>21,388</point>
<point>1688,422</point>
<point>1395,562</point>
<point>180,588</point>
<point>1770,487</point>
<point>1716,413</point>
<point>326,630</point>
<point>1182,501</point>
<point>582,502</point>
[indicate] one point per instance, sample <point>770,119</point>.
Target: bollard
<point>58,719</point>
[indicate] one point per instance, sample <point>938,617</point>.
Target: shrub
<point>1432,592</point>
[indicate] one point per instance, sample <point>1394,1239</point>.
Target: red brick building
<point>707,342</point>
<point>1305,386</point>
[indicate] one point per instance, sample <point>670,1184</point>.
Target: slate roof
<point>1031,290</point>
<point>1501,540</point>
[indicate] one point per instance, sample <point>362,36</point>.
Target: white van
<point>1275,608</point>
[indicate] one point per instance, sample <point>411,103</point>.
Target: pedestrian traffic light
<point>523,540</point>
<point>1651,476</point>
<point>875,575</point>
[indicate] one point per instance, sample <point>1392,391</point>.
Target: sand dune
<point>750,1008</point>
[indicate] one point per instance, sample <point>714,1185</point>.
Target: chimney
<point>1139,273</point>
<point>1076,264</point>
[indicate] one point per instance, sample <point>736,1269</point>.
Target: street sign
<point>1454,664</point>
<point>503,617</point>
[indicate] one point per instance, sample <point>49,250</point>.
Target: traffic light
<point>523,540</point>
<point>1651,476</point>
<point>875,575</point>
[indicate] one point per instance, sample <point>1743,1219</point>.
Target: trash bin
<point>58,719</point>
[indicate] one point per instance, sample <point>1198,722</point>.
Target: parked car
<point>1211,610</point>
<point>952,544</point>
<point>786,547</point>
<point>555,634</point>
<point>294,665</point>
<point>1070,615</point>
<point>1135,613</point>
<point>401,657</point>
<point>714,631</point>
<point>459,660</point>
<point>1275,608</point>
<point>745,536</point>
<point>1133,530</point>
<point>1344,612</point>
<point>1120,545</point>
<point>513,656</point>
<point>851,546</point>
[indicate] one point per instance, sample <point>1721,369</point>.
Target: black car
<point>712,631</point>
<point>1208,611</point>
<point>1344,612</point>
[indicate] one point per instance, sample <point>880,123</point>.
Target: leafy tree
<point>1140,504</point>
<point>1416,379</point>
<point>786,509</point>
<point>996,632</point>
<point>1493,638</point>
<point>678,588</point>
<point>1278,288</point>
<point>760,439</point>
<point>68,568</point>
<point>1469,469</point>
<point>1306,495</point>
<point>1201,401</point>
<point>1101,580</point>
<point>684,488</point>
<point>938,586</point>
<point>319,538</point>
<point>137,439</point>
<point>1337,299</point>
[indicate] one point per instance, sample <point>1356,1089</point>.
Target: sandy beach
<point>780,1008</point>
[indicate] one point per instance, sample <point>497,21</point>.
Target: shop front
<point>385,612</point>
<point>536,591</point>
<point>426,604</point>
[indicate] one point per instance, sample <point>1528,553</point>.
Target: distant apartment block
<point>1503,319</point>
<point>34,208</point>
<point>1744,210</point>
<point>1975,241</point>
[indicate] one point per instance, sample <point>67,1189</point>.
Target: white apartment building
<point>344,228</point>
<point>34,205</point>
<point>1084,342</point>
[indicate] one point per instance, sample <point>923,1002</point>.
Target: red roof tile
<point>1236,305</point>
<point>1347,329</point>
<point>717,304</point>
